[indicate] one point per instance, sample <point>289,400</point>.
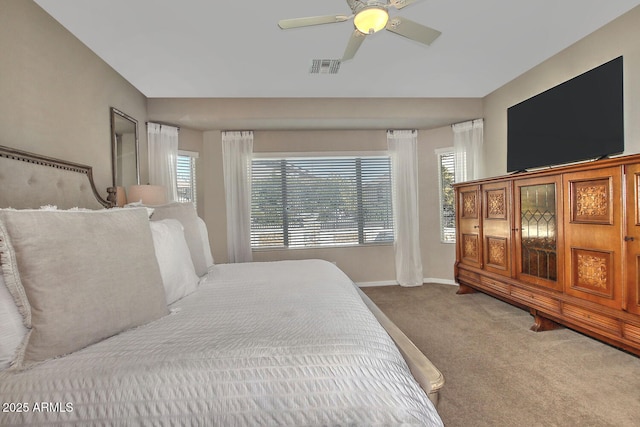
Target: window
<point>321,201</point>
<point>186,176</point>
<point>446,177</point>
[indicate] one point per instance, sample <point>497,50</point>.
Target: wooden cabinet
<point>563,243</point>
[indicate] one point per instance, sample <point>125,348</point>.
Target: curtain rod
<point>468,121</point>
<point>162,124</point>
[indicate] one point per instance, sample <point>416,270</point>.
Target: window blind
<point>309,202</point>
<point>186,177</point>
<point>446,168</point>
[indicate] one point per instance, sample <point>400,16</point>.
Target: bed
<point>129,327</point>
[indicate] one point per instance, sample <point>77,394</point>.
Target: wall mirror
<point>124,148</point>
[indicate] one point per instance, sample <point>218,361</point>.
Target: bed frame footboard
<point>426,374</point>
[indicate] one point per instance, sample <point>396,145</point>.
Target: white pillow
<point>204,234</point>
<point>100,278</point>
<point>188,217</point>
<point>137,205</point>
<point>176,268</point>
<point>12,329</point>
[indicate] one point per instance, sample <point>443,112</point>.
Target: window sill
<point>315,248</point>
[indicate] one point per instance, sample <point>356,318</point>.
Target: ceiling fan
<point>370,16</point>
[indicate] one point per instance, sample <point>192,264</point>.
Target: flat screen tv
<point>580,119</point>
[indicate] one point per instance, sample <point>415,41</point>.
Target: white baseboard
<point>371,284</point>
<point>440,281</point>
<point>393,282</point>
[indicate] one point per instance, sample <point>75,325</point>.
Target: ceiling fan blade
<point>354,44</point>
<point>399,4</point>
<point>285,24</point>
<point>412,30</point>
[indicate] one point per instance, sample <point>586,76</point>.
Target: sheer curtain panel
<point>163,157</point>
<point>467,149</point>
<point>237,149</point>
<point>404,169</point>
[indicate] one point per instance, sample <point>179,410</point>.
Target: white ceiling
<point>221,49</point>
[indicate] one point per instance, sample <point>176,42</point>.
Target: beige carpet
<point>499,373</point>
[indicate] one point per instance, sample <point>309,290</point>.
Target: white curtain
<point>237,149</point>
<point>467,149</point>
<point>163,157</point>
<point>404,168</point>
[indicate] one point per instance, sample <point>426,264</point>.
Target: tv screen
<point>580,119</point>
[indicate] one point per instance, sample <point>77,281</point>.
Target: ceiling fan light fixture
<point>371,20</point>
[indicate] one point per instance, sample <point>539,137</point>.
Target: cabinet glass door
<point>538,233</point>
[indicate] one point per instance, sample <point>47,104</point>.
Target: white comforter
<point>279,343</point>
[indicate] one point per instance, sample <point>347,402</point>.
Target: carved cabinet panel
<point>468,210</point>
<point>496,227</point>
<point>593,230</point>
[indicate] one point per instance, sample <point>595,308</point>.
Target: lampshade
<point>152,195</point>
<point>121,197</point>
<point>371,20</point>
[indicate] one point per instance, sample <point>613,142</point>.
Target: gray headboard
<point>30,180</point>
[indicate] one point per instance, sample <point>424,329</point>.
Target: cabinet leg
<point>542,324</point>
<point>464,289</point>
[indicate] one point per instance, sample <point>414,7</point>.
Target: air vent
<point>324,66</point>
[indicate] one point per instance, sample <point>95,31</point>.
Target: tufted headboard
<point>30,180</point>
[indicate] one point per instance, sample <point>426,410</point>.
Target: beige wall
<point>313,113</point>
<point>620,37</point>
<point>55,93</point>
<point>371,263</point>
<point>353,120</point>
<point>55,96</point>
